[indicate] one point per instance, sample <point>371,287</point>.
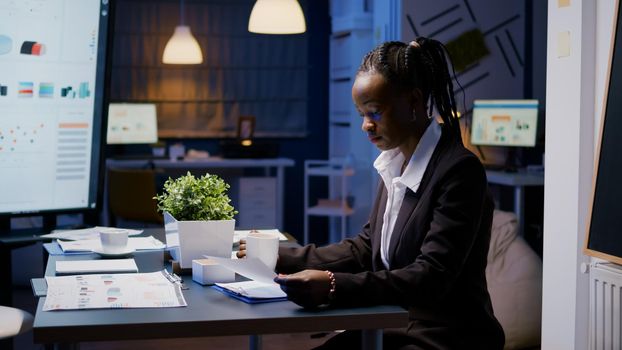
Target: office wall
<point>575,86</point>
<point>312,145</point>
<point>498,73</point>
<point>242,73</point>
<point>503,67</point>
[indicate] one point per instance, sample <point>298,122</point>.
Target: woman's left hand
<point>241,253</point>
<point>308,288</point>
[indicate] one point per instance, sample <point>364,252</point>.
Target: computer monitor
<point>132,123</point>
<point>504,123</point>
<point>53,64</point>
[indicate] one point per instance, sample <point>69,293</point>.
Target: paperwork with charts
<point>110,291</point>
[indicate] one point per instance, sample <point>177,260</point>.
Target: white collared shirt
<point>388,164</point>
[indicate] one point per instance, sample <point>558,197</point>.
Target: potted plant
<point>198,217</point>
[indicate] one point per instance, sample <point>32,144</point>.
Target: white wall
<point>574,97</point>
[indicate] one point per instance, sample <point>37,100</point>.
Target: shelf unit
<point>335,207</point>
<point>351,38</point>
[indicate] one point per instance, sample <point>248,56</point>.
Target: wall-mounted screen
<point>504,123</point>
<point>132,123</point>
<point>52,70</point>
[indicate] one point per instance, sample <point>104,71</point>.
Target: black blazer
<point>437,256</point>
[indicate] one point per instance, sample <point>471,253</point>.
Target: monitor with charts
<point>132,123</point>
<point>53,61</point>
<point>504,123</point>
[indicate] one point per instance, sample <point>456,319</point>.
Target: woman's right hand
<point>241,253</point>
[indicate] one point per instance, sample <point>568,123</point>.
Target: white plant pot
<point>189,240</point>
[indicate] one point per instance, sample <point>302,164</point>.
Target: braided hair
<point>423,65</point>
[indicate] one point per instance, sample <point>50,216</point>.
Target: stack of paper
<point>87,233</point>
<point>89,245</point>
<point>76,267</point>
<point>260,289</point>
<point>252,292</point>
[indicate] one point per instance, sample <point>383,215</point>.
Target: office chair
<point>130,195</point>
<point>13,322</point>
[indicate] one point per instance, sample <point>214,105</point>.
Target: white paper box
<point>206,271</point>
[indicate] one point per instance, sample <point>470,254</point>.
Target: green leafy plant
<point>192,198</point>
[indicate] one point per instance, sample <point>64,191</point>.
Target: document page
<point>251,268</point>
<point>66,267</point>
<point>89,245</point>
<point>109,291</point>
<point>254,289</point>
<point>86,233</point>
<point>261,287</point>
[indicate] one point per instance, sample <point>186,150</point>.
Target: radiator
<point>605,295</point>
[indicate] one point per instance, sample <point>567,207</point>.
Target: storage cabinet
<point>258,199</point>
<point>257,203</point>
<point>350,39</point>
<point>335,207</point>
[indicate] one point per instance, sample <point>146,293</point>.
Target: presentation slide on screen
<point>48,54</point>
<point>504,122</point>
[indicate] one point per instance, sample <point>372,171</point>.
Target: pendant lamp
<point>277,17</point>
<point>182,47</point>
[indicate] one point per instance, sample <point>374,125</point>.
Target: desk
<point>518,180</point>
<point>8,242</point>
<point>209,313</point>
<point>278,164</point>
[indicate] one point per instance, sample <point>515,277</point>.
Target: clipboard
<point>247,299</point>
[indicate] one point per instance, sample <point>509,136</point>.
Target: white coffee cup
<point>264,246</point>
<point>113,240</point>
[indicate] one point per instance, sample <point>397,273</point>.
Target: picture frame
<point>246,127</point>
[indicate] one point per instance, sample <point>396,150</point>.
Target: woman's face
<point>387,115</point>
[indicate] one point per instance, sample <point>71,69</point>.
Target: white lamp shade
<point>182,48</point>
<point>277,17</point>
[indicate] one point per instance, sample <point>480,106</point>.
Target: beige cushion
<point>514,276</point>
<point>14,321</point>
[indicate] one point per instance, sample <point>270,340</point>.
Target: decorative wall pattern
<point>501,26</point>
<point>487,41</point>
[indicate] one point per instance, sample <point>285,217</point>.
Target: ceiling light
<point>277,17</point>
<point>182,47</point>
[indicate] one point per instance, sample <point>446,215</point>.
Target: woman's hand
<point>241,253</point>
<point>308,288</point>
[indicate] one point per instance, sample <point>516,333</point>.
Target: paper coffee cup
<point>113,240</point>
<point>264,246</point>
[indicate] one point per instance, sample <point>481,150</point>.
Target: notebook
<point>80,267</point>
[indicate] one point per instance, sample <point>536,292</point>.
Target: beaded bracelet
<point>333,285</point>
